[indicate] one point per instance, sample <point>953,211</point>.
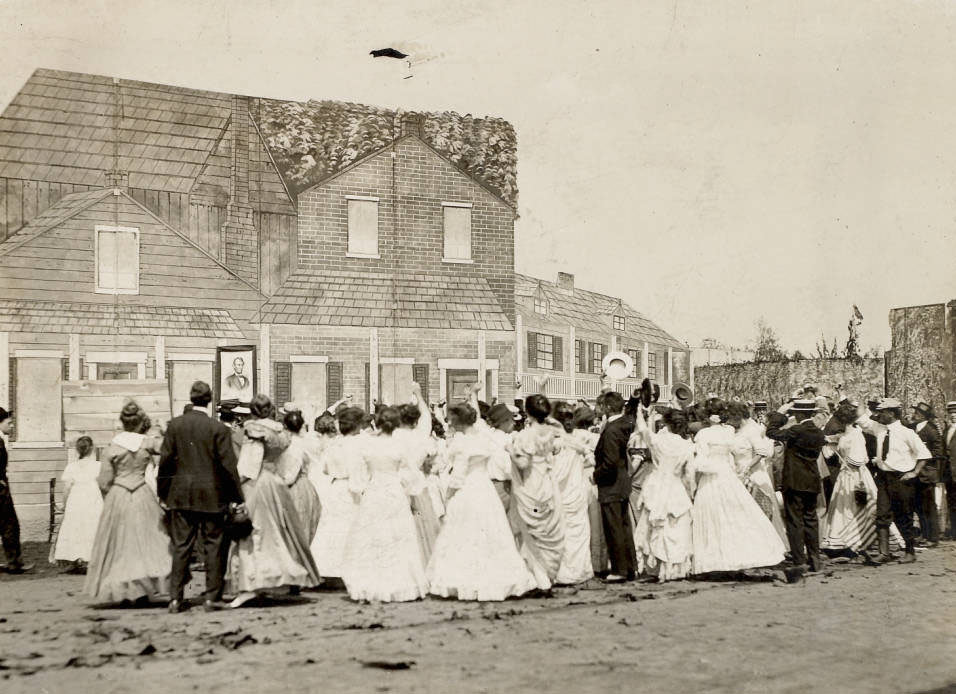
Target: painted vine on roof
<point>312,140</point>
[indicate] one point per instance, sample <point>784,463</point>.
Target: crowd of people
<point>486,502</point>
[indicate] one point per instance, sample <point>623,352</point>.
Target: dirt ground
<point>851,628</point>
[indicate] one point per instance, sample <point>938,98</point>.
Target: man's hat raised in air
<point>889,404</point>
<point>808,406</point>
<point>951,406</point>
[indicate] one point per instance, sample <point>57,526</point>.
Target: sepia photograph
<point>527,346</point>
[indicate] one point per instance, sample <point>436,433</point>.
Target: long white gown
<point>475,556</point>
<point>383,560</point>
<point>663,534</point>
<point>331,480</point>
<point>751,443</point>
<point>82,514</point>
<point>730,530</point>
<point>568,471</point>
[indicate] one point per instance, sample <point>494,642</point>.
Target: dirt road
<point>850,629</point>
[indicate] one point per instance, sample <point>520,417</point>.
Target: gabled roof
<point>376,299</point>
<point>70,205</point>
<point>112,319</point>
<point>592,311</point>
<point>59,212</point>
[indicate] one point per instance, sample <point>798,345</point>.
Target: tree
<point>875,352</point>
<point>797,355</point>
<point>767,346</point>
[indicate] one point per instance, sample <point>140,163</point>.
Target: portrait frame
<point>225,356</point>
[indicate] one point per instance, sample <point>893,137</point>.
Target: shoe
<point>242,599</point>
<point>816,564</point>
<point>176,606</point>
<point>614,578</point>
<point>932,545</point>
<point>908,558</point>
<point>630,576</point>
<point>19,567</point>
<point>213,605</point>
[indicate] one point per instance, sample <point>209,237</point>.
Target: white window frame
<point>446,258</point>
<point>619,322</point>
<point>354,252</point>
<point>94,359</point>
<point>543,339</point>
<point>97,289</point>
<point>543,302</point>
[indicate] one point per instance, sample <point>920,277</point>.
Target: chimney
<point>117,179</point>
<point>239,234</point>
<point>411,124</point>
<point>566,282</point>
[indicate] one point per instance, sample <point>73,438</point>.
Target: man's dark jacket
<point>610,461</point>
<point>930,435</point>
<point>197,465</point>
<point>803,441</point>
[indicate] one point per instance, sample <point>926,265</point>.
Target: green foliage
<point>314,139</point>
<point>767,346</point>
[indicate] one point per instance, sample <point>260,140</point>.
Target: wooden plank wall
<point>200,222</point>
<point>91,408</point>
<point>278,248</point>
<point>21,201</point>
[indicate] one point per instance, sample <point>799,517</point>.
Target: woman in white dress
<point>729,529</point>
<point>383,560</point>
<point>295,463</point>
<point>339,504</point>
<point>538,511</point>
<point>752,449</point>
<point>475,555</point>
<point>570,472</point>
<point>851,517</point>
<point>663,534</point>
<point>83,504</point>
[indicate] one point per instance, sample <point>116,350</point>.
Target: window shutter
<point>532,350</point>
<point>420,376</point>
<point>65,375</point>
<point>558,356</point>
<point>333,383</point>
<point>283,383</point>
<point>12,405</point>
<point>83,369</point>
<point>169,371</point>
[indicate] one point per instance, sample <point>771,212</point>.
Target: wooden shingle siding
<point>58,265</point>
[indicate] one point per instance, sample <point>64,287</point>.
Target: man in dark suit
<point>801,481</point>
<point>9,525</point>
<point>948,463</point>
<point>924,422</point>
<point>611,475</point>
<point>197,481</point>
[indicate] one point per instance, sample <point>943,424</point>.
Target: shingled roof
<point>592,311</point>
<point>111,319</point>
<point>400,300</point>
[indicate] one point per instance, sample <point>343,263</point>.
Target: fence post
<point>52,508</point>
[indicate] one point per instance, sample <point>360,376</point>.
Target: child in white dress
<point>83,504</point>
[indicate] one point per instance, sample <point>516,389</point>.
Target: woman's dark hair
<point>409,414</point>
<point>227,416</point>
<point>350,420</point>
<point>293,421</point>
<point>564,414</point>
<point>845,414</point>
<point>84,446</point>
<point>200,394</point>
<point>462,414</point>
<point>437,428</point>
<point>737,410</point>
<point>387,419</point>
<point>325,424</point>
<point>538,407</point>
<point>716,406</point>
<point>132,418</point>
<point>676,421</point>
<point>483,409</point>
<point>261,406</point>
<point>583,417</point>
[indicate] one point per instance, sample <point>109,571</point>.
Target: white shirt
<point>905,449</point>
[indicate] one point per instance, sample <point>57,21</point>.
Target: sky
<point>710,163</point>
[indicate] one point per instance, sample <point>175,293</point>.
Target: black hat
<point>925,409</point>
<point>4,415</point>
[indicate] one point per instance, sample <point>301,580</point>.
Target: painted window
<point>457,226</point>
<point>117,260</point>
<point>635,355</point>
<point>541,305</point>
<point>363,227</point>
<point>652,365</point>
<point>597,356</point>
<point>620,323</point>
<point>38,403</point>
<point>545,351</point>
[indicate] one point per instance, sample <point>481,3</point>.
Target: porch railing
<point>567,388</point>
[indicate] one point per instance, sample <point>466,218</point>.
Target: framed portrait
<point>235,373</point>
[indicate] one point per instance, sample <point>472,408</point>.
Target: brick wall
<point>351,347</point>
<point>410,188</point>
<point>776,381</point>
